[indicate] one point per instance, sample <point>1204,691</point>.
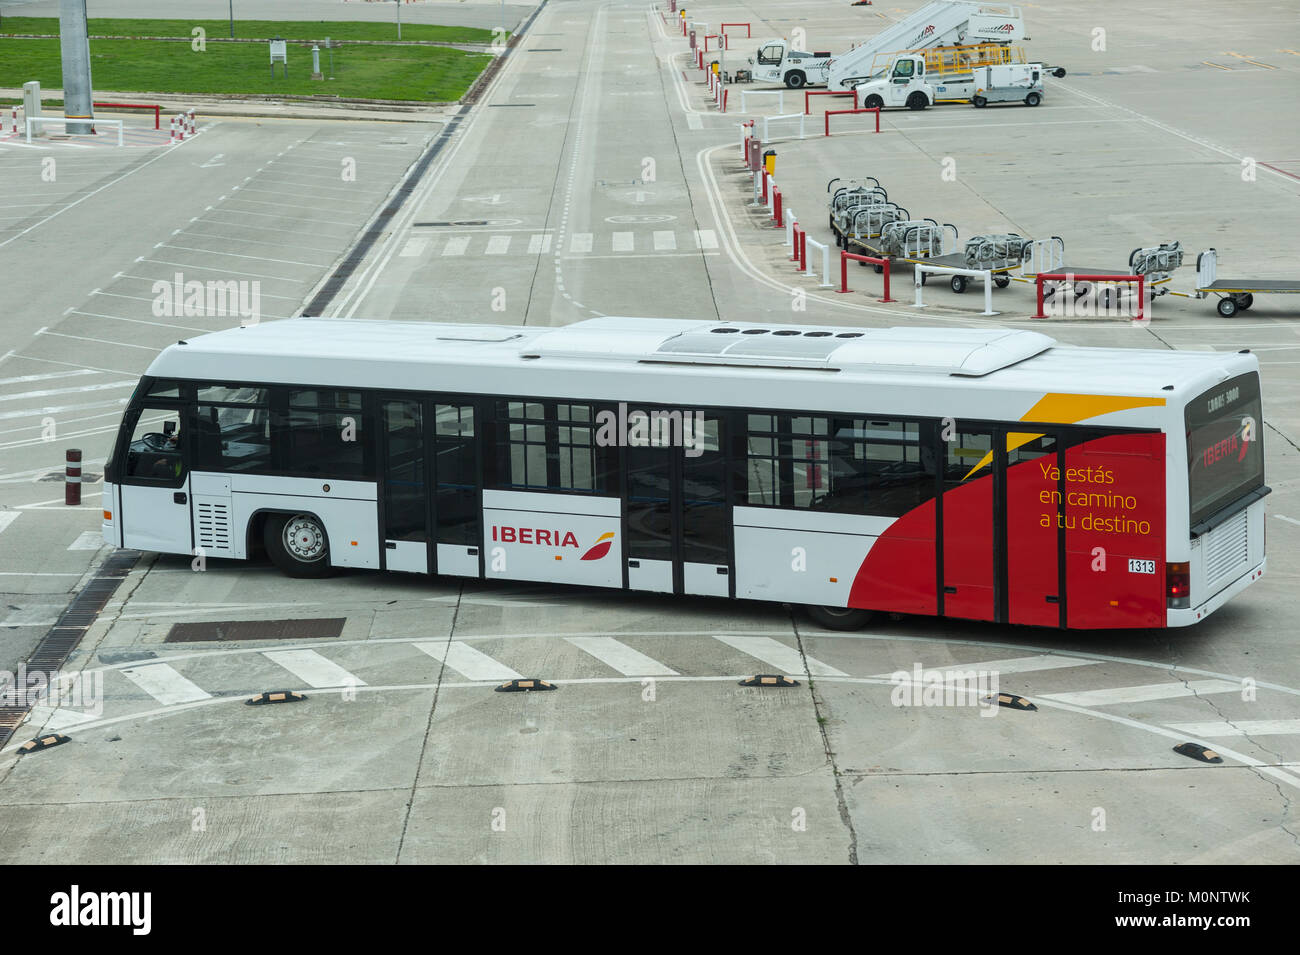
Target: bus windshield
<point>1225,451</point>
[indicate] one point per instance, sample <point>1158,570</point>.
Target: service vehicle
<point>1012,83</point>
<point>987,474</point>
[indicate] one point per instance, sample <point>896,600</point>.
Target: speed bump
<point>525,686</point>
<point>43,742</point>
<point>276,696</point>
<point>1199,752</point>
<point>1016,703</point>
<point>769,679</point>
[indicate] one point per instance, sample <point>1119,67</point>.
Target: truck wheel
<point>1059,72</point>
<point>980,102</point>
<point>1001,281</point>
<point>1033,99</point>
<point>878,268</point>
<point>1227,307</point>
<point>1245,301</point>
<point>795,79</point>
<point>839,618</point>
<point>917,100</point>
<point>297,544</point>
<point>873,102</point>
<point>958,283</point>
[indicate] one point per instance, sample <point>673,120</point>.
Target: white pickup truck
<point>775,62</point>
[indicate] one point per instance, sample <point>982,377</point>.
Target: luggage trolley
<point>1156,262</point>
<point>1235,295</point>
<point>907,240</point>
<point>999,254</point>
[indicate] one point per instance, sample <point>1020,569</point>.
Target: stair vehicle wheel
<point>917,100</point>
<point>980,102</point>
<point>297,544</point>
<point>1033,99</point>
<point>1227,307</point>
<point>839,618</point>
<point>958,283</point>
<point>1001,281</point>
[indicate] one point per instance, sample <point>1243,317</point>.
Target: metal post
<point>232,19</point>
<point>399,19</point>
<point>72,477</point>
<point>74,45</point>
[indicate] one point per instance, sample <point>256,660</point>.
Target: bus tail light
<point>1178,582</point>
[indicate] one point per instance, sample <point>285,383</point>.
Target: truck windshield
<point>1225,449</point>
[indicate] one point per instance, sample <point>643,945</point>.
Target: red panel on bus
<point>968,549</point>
<point>1115,532</point>
<point>1031,543</point>
<point>898,572</point>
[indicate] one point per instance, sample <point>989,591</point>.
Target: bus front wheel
<point>839,618</point>
<point>297,544</point>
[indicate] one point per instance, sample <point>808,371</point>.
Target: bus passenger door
<point>154,483</point>
<point>456,503</point>
<point>968,538</point>
<point>1035,532</point>
<point>405,491</point>
<point>677,514</point>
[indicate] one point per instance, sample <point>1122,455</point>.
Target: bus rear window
<point>1225,450</point>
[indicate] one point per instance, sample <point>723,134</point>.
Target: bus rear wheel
<point>297,544</point>
<point>839,618</point>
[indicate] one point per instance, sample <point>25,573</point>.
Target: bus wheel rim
<point>304,539</point>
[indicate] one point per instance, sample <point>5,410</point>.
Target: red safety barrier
<point>841,112</point>
<point>725,91</point>
<point>1071,277</point>
<point>777,215</point>
<point>699,56</point>
<point>763,173</point>
<point>723,29</point>
<point>844,271</point>
<point>794,241</point>
<point>725,45</point>
<point>72,477</point>
<point>803,250</point>
<point>157,110</point>
<point>807,93</point>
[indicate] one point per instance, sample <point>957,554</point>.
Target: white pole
<point>988,293</point>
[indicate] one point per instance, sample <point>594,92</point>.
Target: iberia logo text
<point>552,538</point>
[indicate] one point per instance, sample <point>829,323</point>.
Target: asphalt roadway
<point>607,183</point>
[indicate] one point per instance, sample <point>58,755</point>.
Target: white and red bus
<point>983,474</point>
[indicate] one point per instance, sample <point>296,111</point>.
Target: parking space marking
<point>414,247</point>
<point>88,540</point>
<point>706,239</point>
<point>1144,694</point>
<point>539,244</point>
<point>580,242</point>
<point>1223,728</point>
<point>621,657</point>
<point>456,245</point>
<point>1044,661</point>
<point>498,245</point>
<point>784,658</point>
<point>312,668</point>
<point>665,240</point>
<point>470,663</point>
<point>623,241</point>
<point>165,684</point>
<point>7,518</point>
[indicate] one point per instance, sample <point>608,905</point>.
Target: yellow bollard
<point>769,162</point>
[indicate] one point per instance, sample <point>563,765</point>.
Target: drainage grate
<point>61,639</point>
<point>226,631</point>
<point>457,222</point>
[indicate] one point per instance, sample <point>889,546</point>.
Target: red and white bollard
<point>72,477</point>
<point>180,125</point>
<point>174,139</point>
<point>189,118</point>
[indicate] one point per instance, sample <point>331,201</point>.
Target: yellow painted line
<point>1217,66</point>
<point>1292,52</point>
<point>1264,65</point>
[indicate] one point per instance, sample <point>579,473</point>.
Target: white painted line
<point>1289,520</point>
<point>706,239</point>
<point>50,718</point>
<point>7,518</point>
<point>164,684</point>
<point>498,245</point>
<point>88,540</point>
<point>620,656</point>
<point>414,247</point>
<point>539,244</point>
<point>1143,694</point>
<point>470,663</point>
<point>1044,661</point>
<point>312,668</point>
<point>22,379</point>
<point>456,245</point>
<point>786,659</point>
<point>665,240</point>
<point>1221,728</point>
<point>624,241</point>
<point>580,242</point>
<point>47,392</point>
